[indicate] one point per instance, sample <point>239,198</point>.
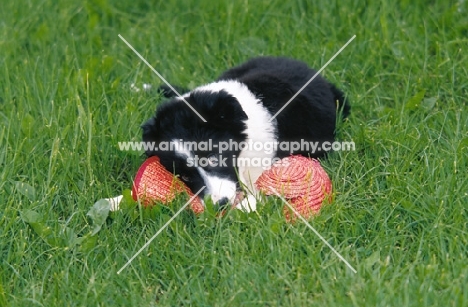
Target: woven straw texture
<point>302,181</point>
<point>154,183</point>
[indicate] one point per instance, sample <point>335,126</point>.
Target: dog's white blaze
<point>259,127</point>
<point>218,188</point>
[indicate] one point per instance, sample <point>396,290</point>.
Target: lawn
<point>399,213</point>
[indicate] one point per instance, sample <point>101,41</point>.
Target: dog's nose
<point>222,202</point>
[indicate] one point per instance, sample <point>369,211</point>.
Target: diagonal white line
<point>315,231</point>
<point>313,77</point>
<point>160,230</point>
<point>161,77</point>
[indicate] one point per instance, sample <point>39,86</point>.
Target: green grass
<point>399,214</point>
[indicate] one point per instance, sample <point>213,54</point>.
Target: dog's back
<point>310,116</point>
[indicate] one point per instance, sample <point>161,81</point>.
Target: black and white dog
<point>242,124</point>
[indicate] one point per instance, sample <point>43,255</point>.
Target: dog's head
<point>190,148</point>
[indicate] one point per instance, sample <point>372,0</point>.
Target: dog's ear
<point>218,108</point>
<point>150,134</point>
<point>149,128</point>
<point>167,92</point>
<point>226,110</point>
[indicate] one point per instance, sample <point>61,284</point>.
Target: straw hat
<point>302,181</point>
<point>154,183</point>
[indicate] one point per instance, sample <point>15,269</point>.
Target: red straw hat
<point>154,183</point>
<point>302,181</point>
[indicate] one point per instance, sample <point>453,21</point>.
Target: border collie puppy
<point>242,136</point>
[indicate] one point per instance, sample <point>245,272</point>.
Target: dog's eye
<point>185,178</point>
<point>212,160</point>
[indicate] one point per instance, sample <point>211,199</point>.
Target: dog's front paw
<point>248,204</point>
